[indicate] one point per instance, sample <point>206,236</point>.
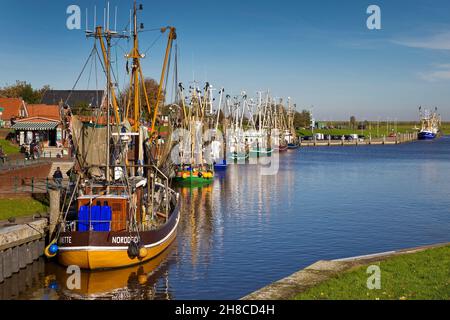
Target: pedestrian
<point>58,177</point>
<point>2,155</point>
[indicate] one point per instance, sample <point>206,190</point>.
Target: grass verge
<point>20,207</point>
<point>9,148</point>
<point>423,275</point>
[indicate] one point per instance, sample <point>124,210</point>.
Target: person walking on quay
<point>58,177</point>
<point>36,151</point>
<point>2,155</point>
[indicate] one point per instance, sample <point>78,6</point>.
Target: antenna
<point>115,21</point>
<point>107,21</point>
<point>130,22</point>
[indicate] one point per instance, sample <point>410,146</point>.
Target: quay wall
<point>289,287</point>
<point>20,246</point>
<point>401,138</point>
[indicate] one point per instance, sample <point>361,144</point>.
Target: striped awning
<point>35,126</point>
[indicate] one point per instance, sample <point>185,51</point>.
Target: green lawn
<point>446,128</point>
<point>20,208</point>
<point>373,129</point>
<point>9,148</point>
<point>422,275</point>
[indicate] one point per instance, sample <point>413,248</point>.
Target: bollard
<point>54,210</point>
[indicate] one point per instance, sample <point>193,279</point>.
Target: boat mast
<point>108,34</point>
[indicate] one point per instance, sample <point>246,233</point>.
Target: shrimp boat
<point>290,133</point>
<point>431,122</point>
<point>218,145</point>
<point>121,210</point>
<point>195,169</point>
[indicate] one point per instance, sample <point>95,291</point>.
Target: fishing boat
<point>192,177</point>
<point>261,152</point>
<point>221,166</point>
<point>117,284</point>
<point>218,145</point>
<point>196,167</point>
<point>290,133</point>
<point>239,156</point>
<point>237,140</point>
<point>431,122</point>
<point>121,211</point>
<point>292,146</point>
<point>282,148</point>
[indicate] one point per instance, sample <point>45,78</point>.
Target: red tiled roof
<point>44,111</point>
<point>11,107</point>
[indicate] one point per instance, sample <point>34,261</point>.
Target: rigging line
<point>154,42</point>
<point>90,74</point>
<point>104,70</point>
<point>117,70</point>
<point>68,208</point>
<point>175,78</point>
<point>149,30</point>
<point>96,84</point>
<point>79,76</point>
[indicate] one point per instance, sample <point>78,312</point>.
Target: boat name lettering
<point>65,240</point>
<point>124,240</point>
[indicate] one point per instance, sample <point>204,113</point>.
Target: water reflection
<point>23,281</point>
<point>197,223</point>
<point>146,281</point>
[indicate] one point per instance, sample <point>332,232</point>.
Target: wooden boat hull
<point>108,282</point>
<point>282,148</point>
<point>108,250</point>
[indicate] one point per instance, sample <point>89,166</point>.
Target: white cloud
<point>440,72</point>
<point>440,41</point>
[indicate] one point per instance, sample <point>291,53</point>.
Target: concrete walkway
<point>289,287</point>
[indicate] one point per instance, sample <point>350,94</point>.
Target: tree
<point>81,109</point>
<point>352,122</point>
<point>302,119</point>
<point>24,90</point>
<point>151,87</point>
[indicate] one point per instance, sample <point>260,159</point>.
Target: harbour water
<point>247,230</point>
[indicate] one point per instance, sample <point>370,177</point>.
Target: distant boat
<point>426,135</point>
<point>282,148</point>
<point>292,146</point>
<point>430,124</point>
<point>192,177</point>
<point>261,152</point>
<point>239,156</point>
<point>221,166</point>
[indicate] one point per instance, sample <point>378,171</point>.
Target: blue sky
<point>319,53</point>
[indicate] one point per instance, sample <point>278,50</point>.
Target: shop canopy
<point>35,126</point>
